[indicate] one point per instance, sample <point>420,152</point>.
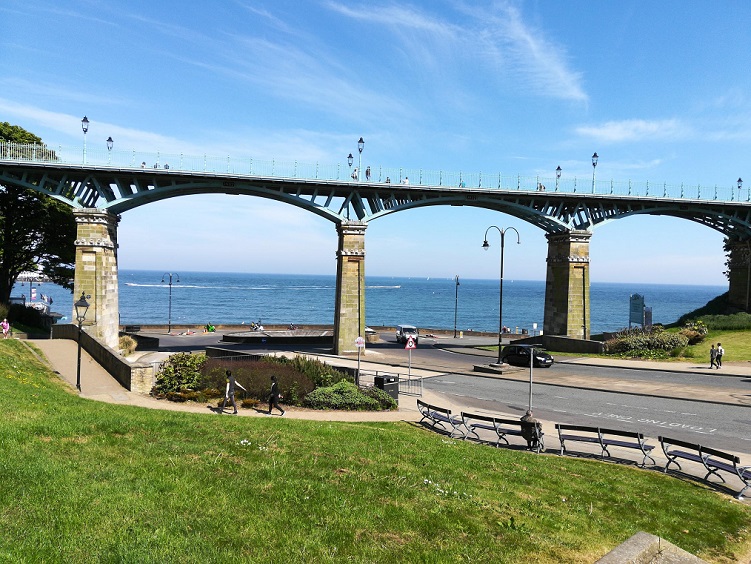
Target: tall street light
<point>594,167</point>
<point>360,147</point>
<point>557,177</point>
<point>110,142</point>
<point>85,127</point>
<point>350,158</point>
<point>486,246</point>
<point>169,317</point>
<point>456,302</point>
<point>740,185</point>
<point>82,306</point>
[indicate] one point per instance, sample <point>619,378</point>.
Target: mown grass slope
<point>83,481</point>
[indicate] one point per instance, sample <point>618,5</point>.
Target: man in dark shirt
<point>274,396</point>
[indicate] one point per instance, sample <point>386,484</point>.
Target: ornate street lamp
<point>85,127</point>
<point>110,142</point>
<point>486,246</point>
<point>360,147</point>
<point>169,317</point>
<point>740,185</point>
<point>82,306</point>
<point>350,158</point>
<point>557,177</point>
<point>594,167</point>
<point>456,302</point>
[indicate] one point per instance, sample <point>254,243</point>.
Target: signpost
<point>360,344</point>
<point>636,310</point>
<point>409,346</point>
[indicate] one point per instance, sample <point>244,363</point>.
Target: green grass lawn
<point>83,481</point>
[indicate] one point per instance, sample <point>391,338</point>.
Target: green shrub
<point>645,342</point>
<point>181,372</point>
<point>345,395</point>
<point>735,322</point>
<point>28,316</point>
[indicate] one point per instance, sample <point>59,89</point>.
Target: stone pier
<point>349,313</point>
<point>96,273</point>
<point>739,292</point>
<point>567,285</point>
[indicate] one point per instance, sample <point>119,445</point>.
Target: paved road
<point>725,427</point>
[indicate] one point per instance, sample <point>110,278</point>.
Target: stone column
<point>739,291</point>
<point>96,273</point>
<point>567,285</point>
<point>349,315</point>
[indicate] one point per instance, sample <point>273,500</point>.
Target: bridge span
<point>568,210</point>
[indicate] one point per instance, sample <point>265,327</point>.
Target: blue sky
<point>659,90</point>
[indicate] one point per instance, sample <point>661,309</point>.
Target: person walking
<point>720,352</point>
<point>712,356</point>
<point>6,328</point>
<point>229,392</point>
<point>531,429</point>
<point>275,396</point>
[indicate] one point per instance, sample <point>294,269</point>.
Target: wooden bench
<point>712,459</point>
<point>604,438</point>
<point>440,417</point>
<point>502,427</point>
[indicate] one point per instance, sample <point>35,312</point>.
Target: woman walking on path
<point>6,328</point>
<point>274,396</point>
<point>229,393</point>
<point>720,352</point>
<point>712,356</point>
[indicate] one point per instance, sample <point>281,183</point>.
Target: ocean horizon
<point>428,302</point>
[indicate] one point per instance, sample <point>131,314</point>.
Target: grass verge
<point>90,482</point>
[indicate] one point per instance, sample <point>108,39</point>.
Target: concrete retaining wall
<point>135,377</point>
<point>567,344</point>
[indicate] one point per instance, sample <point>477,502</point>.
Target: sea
<point>147,298</point>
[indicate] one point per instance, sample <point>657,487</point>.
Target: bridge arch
<point>565,217</point>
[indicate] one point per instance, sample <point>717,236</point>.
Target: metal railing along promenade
<point>96,157</point>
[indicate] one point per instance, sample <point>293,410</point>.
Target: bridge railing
<point>98,157</point>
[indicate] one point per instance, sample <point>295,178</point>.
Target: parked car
<point>404,332</point>
<point>518,355</point>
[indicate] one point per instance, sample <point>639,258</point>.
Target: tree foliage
<point>37,232</point>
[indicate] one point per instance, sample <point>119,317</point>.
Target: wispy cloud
<point>506,45</point>
<point>636,130</point>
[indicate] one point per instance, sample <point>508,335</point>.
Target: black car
<point>518,355</point>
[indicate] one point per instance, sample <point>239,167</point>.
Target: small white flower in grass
<point>245,442</point>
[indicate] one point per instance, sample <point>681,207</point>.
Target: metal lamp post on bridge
<point>85,127</point>
<point>486,246</point>
<point>360,147</point>
<point>594,167</point>
<point>169,317</point>
<point>557,177</point>
<point>740,185</point>
<point>82,306</point>
<point>110,142</point>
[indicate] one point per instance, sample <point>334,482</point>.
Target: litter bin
<point>388,384</point>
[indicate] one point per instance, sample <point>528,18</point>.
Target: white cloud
<point>498,35</point>
<point>636,130</point>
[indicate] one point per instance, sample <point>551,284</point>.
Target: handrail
<point>461,181</point>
